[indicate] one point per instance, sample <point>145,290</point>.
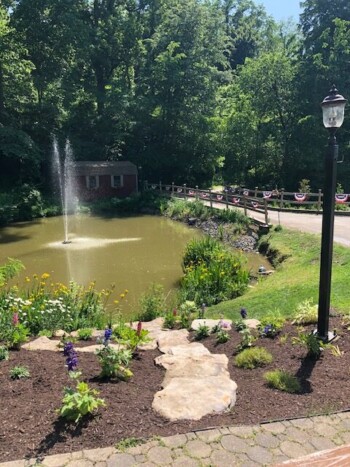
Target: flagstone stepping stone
<point>93,348</point>
<point>211,323</point>
<point>42,343</point>
<point>169,339</point>
<point>194,350</point>
<point>193,398</point>
<point>252,323</point>
<point>196,367</point>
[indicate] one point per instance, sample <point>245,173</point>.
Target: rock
<point>169,339</point>
<point>93,348</point>
<point>42,343</point>
<point>196,367</point>
<point>183,351</point>
<point>193,398</point>
<point>60,333</point>
<point>211,323</point>
<point>252,323</point>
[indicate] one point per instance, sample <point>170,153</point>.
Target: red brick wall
<point>105,190</point>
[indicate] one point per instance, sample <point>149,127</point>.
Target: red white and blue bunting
<point>341,198</point>
<point>300,197</point>
<point>267,194</point>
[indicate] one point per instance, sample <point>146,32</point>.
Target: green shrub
<point>152,303</point>
<point>222,336</point>
<point>306,313</point>
<point>247,339</point>
<point>211,273</point>
<point>84,334</point>
<point>18,372</point>
<point>114,363</point>
<point>169,321</point>
<point>202,332</point>
<point>4,353</point>
<point>313,344</point>
<point>253,358</point>
<point>79,402</point>
<point>46,333</point>
<point>271,324</point>
<point>283,381</point>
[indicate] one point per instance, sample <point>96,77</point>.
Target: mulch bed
<point>30,427</point>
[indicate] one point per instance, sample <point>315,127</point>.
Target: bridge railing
<point>255,199</point>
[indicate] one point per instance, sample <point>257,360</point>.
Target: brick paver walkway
<point>269,444</point>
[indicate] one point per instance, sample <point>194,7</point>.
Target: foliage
<point>114,363</point>
<point>253,357</point>
<point>313,344</point>
<point>152,303</point>
<point>170,320</point>
<point>306,313</point>
<point>240,325</point>
<point>211,273</point>
<point>283,381</point>
<point>131,338</point>
<point>9,270</point>
<point>271,324</point>
<point>4,353</point>
<point>19,372</point>
<point>80,402</point>
<point>247,339</point>
<point>46,333</point>
<point>202,332</point>
<point>222,336</point>
<point>84,334</point>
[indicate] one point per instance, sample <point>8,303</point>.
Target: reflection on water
<point>131,252</point>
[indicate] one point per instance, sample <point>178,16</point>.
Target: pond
<point>131,252</point>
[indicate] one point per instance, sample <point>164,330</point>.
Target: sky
<point>282,9</point>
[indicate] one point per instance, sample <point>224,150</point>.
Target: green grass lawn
<point>295,279</point>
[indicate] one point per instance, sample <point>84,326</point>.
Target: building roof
<point>104,168</point>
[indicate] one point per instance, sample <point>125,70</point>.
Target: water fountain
<point>63,173</point>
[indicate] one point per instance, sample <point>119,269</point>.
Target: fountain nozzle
<point>66,242</point>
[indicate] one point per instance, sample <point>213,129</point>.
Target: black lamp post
<point>333,107</point>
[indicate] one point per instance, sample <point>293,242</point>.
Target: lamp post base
<point>330,337</point>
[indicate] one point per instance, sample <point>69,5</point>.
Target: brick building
<point>103,179</point>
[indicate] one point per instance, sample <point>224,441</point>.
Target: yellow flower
<point>35,276</point>
<point>45,276</point>
<point>27,279</point>
<point>116,302</point>
<point>122,295</point>
<point>126,291</point>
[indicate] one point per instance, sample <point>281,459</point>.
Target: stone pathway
<point>270,444</point>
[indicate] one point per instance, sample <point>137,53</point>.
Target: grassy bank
<point>295,279</point>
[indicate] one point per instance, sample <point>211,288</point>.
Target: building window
<point>92,182</point>
<point>117,181</point>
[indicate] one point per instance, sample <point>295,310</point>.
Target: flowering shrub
<point>271,324</point>
<point>211,273</point>
<point>114,363</point>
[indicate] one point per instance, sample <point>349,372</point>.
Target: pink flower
<point>139,328</point>
<point>174,312</point>
<point>15,319</point>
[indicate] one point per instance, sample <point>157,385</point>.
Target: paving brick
<point>294,434</point>
<point>160,455</point>
<point>244,431</point>
<point>198,448</point>
<point>234,444</point>
<point>80,463</point>
<point>58,460</point>
<point>321,443</point>
<point>293,450</point>
<point>223,458</point>
<point>185,461</point>
<point>96,455</point>
<point>174,441</point>
<point>267,440</point>
<point>303,423</point>
<point>323,429</point>
<point>121,460</point>
<point>260,455</point>
<point>275,427</point>
<point>209,435</point>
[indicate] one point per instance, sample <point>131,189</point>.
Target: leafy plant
<point>84,334</point>
<point>114,363</point>
<point>4,353</point>
<point>79,402</point>
<point>152,303</point>
<point>282,380</point>
<point>271,324</point>
<point>314,345</point>
<point>306,313</point>
<point>18,372</point>
<point>45,333</point>
<point>131,338</point>
<point>240,325</point>
<point>18,334</point>
<point>222,336</point>
<point>253,357</point>
<point>247,339</point>
<point>202,332</point>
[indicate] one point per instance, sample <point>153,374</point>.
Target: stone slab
<point>190,350</point>
<point>211,323</point>
<point>196,367</point>
<point>192,399</point>
<point>252,323</point>
<point>169,339</point>
<point>42,343</point>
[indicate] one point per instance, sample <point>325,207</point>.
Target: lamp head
<point>333,108</point>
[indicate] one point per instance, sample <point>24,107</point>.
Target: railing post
<point>196,192</point>
<point>319,202</point>
<point>281,199</point>
<point>266,213</point>
<point>172,188</point>
<point>245,204</point>
<point>211,201</point>
<point>256,192</point>
<point>160,186</point>
<point>226,198</point>
<point>185,191</point>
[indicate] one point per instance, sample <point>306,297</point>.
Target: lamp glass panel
<point>333,115</point>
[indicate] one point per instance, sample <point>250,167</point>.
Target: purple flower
<point>244,313</point>
<point>107,336</point>
<point>72,357</point>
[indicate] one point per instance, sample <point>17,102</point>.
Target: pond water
<point>131,252</point>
